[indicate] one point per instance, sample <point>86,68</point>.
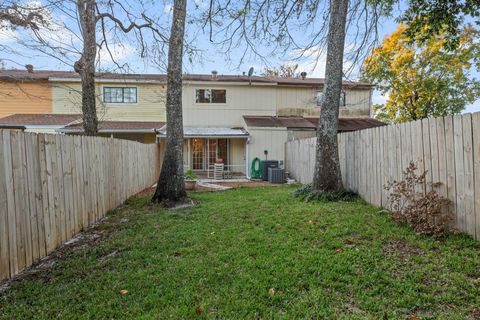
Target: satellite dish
<point>250,72</point>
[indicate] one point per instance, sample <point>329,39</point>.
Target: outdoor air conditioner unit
<point>276,175</point>
<point>268,164</point>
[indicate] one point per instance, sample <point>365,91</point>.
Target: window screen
<point>119,94</point>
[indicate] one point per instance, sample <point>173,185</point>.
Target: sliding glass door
<point>205,152</point>
<point>198,154</point>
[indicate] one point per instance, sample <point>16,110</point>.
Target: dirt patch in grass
<point>145,192</point>
<point>248,184</point>
<point>402,249</point>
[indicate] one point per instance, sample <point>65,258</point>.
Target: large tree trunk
<point>327,176</point>
<point>86,65</point>
<point>171,184</point>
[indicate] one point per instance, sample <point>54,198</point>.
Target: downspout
<point>247,173</point>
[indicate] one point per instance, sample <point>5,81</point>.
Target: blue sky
<point>210,57</point>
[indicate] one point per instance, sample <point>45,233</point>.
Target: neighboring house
<point>24,92</point>
<point>39,123</point>
<point>143,131</point>
<point>235,118</point>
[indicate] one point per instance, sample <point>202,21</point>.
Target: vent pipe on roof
<point>303,75</point>
<point>214,74</point>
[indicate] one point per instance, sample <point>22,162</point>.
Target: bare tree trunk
<point>171,184</point>
<point>327,176</point>
<point>86,65</point>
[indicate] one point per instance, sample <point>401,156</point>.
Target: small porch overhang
<point>203,132</point>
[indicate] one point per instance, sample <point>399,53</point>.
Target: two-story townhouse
<point>238,118</point>
<point>229,117</point>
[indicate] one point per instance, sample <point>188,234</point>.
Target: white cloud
<point>313,61</point>
<point>474,107</point>
<point>7,35</point>
<point>168,8</point>
<point>379,98</point>
<point>119,51</point>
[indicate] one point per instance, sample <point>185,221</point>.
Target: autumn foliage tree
<point>424,78</point>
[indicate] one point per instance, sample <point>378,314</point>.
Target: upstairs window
<point>343,99</point>
<point>120,94</point>
<point>210,96</point>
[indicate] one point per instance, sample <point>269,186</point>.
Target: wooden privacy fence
<point>448,148</point>
<point>53,186</point>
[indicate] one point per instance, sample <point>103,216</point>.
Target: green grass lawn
<point>254,253</point>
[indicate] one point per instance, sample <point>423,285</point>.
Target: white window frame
<point>122,87</point>
<point>210,103</point>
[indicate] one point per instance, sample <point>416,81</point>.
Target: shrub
<point>190,175</point>
<point>306,193</point>
<point>426,212</point>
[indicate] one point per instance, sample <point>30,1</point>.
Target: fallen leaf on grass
<point>349,241</point>
<point>271,291</point>
<point>176,254</point>
<point>311,222</point>
<point>339,250</point>
<point>198,310</point>
<point>123,292</point>
<point>414,318</point>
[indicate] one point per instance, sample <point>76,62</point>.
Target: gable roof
<point>16,120</point>
<point>45,75</point>
<point>344,124</point>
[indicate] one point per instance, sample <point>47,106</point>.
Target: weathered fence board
<point>54,186</point>
<point>448,148</point>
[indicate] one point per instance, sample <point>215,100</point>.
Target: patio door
<point>198,154</point>
<point>206,151</point>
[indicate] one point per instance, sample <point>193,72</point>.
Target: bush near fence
<point>448,148</point>
<point>54,186</point>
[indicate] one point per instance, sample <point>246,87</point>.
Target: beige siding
<point>271,139</point>
<point>237,154</point>
<point>303,102</point>
<point>132,136</point>
<point>149,107</point>
<point>241,100</point>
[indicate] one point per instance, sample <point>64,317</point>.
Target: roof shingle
<point>344,124</point>
<point>39,119</point>
<point>38,75</point>
<point>112,126</point>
